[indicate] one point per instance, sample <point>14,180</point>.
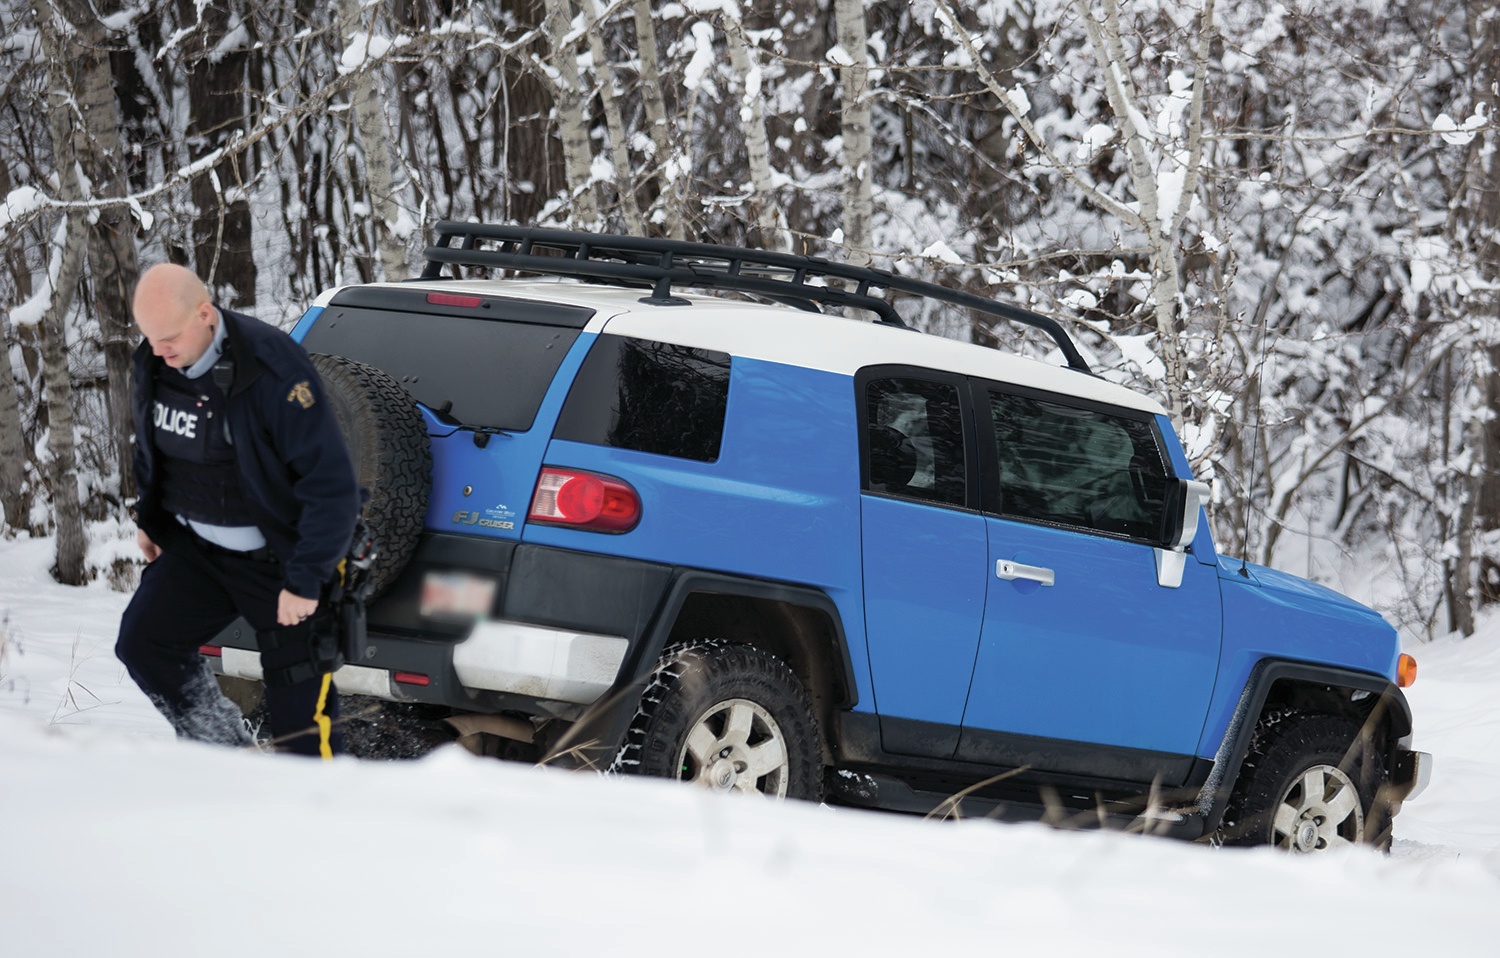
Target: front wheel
<point>1310,783</point>
<point>732,718</point>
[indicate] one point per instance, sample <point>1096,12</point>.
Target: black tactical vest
<point>199,480</point>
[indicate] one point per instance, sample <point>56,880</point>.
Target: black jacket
<point>294,467</point>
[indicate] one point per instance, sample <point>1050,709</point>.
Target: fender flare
<point>1390,703</point>
<point>595,737</point>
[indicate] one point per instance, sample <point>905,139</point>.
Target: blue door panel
<point>924,570</point>
<point>1105,655</point>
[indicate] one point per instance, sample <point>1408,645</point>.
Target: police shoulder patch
<point>302,394</point>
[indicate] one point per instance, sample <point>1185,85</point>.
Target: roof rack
<point>661,264</point>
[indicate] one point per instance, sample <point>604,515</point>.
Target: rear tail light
<point>584,500</point>
<point>213,650</point>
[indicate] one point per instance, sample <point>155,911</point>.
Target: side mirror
<point>1180,504</point>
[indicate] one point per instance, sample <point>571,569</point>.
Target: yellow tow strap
<point>325,726</point>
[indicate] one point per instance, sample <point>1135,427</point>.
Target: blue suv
<point>653,509</point>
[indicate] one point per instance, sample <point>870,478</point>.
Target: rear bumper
<point>561,627</point>
<point>501,664</point>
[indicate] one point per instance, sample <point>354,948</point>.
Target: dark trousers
<point>185,599</point>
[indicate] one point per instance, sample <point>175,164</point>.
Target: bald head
<point>174,312</point>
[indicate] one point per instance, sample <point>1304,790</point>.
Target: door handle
<point>1010,571</point>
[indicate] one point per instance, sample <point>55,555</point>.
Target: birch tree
<point>1164,159</point>
<point>567,87</point>
<point>389,223</point>
<point>66,269</point>
<point>853,58</point>
<point>654,102</point>
<point>619,138</point>
<point>757,144</point>
<point>111,245</point>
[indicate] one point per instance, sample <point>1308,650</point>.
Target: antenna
<point>1260,385</point>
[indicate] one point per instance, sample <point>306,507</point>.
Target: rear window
<point>489,368</point>
<point>914,440</point>
<point>650,397</point>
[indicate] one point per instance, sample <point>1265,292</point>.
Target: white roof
<point>783,334</point>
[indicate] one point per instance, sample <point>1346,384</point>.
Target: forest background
<point>1281,219</point>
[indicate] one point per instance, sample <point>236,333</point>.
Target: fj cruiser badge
<point>302,393</point>
<point>465,517</point>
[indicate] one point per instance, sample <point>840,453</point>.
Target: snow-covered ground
<point>117,840</point>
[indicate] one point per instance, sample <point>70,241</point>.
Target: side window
<point>915,440</point>
<point>650,397</point>
<point>1077,466</point>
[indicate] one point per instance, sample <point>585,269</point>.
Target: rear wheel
<point>729,717</point>
<point>1310,783</point>
<point>392,456</point>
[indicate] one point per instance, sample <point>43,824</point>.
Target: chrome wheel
<point>736,746</point>
<point>1321,809</point>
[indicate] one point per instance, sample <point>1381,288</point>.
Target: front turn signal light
<point>1406,670</point>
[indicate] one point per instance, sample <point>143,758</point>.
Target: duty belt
<point>263,554</point>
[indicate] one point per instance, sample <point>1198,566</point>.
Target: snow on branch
<point>20,211</point>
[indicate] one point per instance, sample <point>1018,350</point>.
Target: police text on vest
<point>176,420</point>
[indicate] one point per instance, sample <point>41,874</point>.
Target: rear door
<point>1088,664</point>
<point>923,550</point>
<point>490,372</point>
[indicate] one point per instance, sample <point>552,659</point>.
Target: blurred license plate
<point>457,595</point>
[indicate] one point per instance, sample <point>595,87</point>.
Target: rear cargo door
<point>490,373</point>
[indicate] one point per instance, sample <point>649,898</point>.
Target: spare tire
<point>387,441</point>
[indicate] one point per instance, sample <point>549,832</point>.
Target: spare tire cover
<point>387,441</point>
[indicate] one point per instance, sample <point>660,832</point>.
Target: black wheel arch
<point>799,624</point>
<point>1370,699</point>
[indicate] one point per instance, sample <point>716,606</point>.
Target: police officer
<point>247,504</point>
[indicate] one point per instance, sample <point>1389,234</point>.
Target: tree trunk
<point>1479,213</point>
<point>15,491</point>
<point>223,235</point>
<point>67,268</point>
<point>757,144</point>
<point>854,96</point>
<point>1460,578</point>
<point>571,122</point>
<point>619,145</point>
<point>387,221</point>
<point>72,548</point>
<point>1159,225</point>
<point>670,190</point>
<point>111,246</point>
